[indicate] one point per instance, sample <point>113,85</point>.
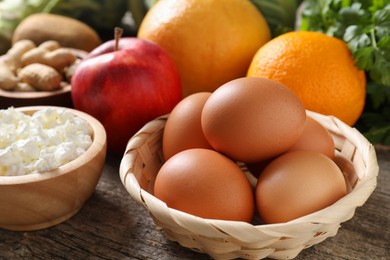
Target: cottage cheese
<point>43,141</point>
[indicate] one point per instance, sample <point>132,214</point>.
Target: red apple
<point>109,46</point>
<point>124,89</point>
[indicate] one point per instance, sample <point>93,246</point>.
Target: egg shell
<point>183,128</point>
<point>206,184</point>
<point>252,119</point>
<point>316,138</point>
<point>298,183</point>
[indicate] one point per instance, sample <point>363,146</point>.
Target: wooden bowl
<point>40,200</point>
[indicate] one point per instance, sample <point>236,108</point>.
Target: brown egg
<point>298,183</point>
<point>253,119</point>
<point>207,184</point>
<point>183,128</point>
<point>316,138</point>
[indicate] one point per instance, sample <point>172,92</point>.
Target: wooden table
<point>111,225</point>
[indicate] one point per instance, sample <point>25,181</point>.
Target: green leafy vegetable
<point>99,14</point>
<point>279,14</point>
<point>11,13</point>
<point>102,15</point>
<point>138,10</point>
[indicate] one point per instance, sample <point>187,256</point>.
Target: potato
<point>68,32</point>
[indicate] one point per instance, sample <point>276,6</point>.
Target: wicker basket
<point>230,239</point>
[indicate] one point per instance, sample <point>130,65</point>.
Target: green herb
<point>365,26</point>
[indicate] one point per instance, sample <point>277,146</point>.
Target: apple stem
<point>117,34</point>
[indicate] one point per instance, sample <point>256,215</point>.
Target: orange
<point>318,68</point>
<point>211,41</point>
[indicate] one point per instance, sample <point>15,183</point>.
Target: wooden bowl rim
<point>34,94</point>
<point>98,143</point>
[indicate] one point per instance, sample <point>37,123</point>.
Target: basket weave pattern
<point>231,239</point>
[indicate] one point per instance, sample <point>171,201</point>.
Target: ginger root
<point>58,59</point>
<point>41,77</point>
<point>13,57</point>
<point>8,80</point>
<point>50,45</point>
<point>33,56</point>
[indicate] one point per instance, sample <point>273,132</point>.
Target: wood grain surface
<point>111,225</point>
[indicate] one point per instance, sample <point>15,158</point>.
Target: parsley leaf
<point>374,123</point>
<point>357,38</point>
